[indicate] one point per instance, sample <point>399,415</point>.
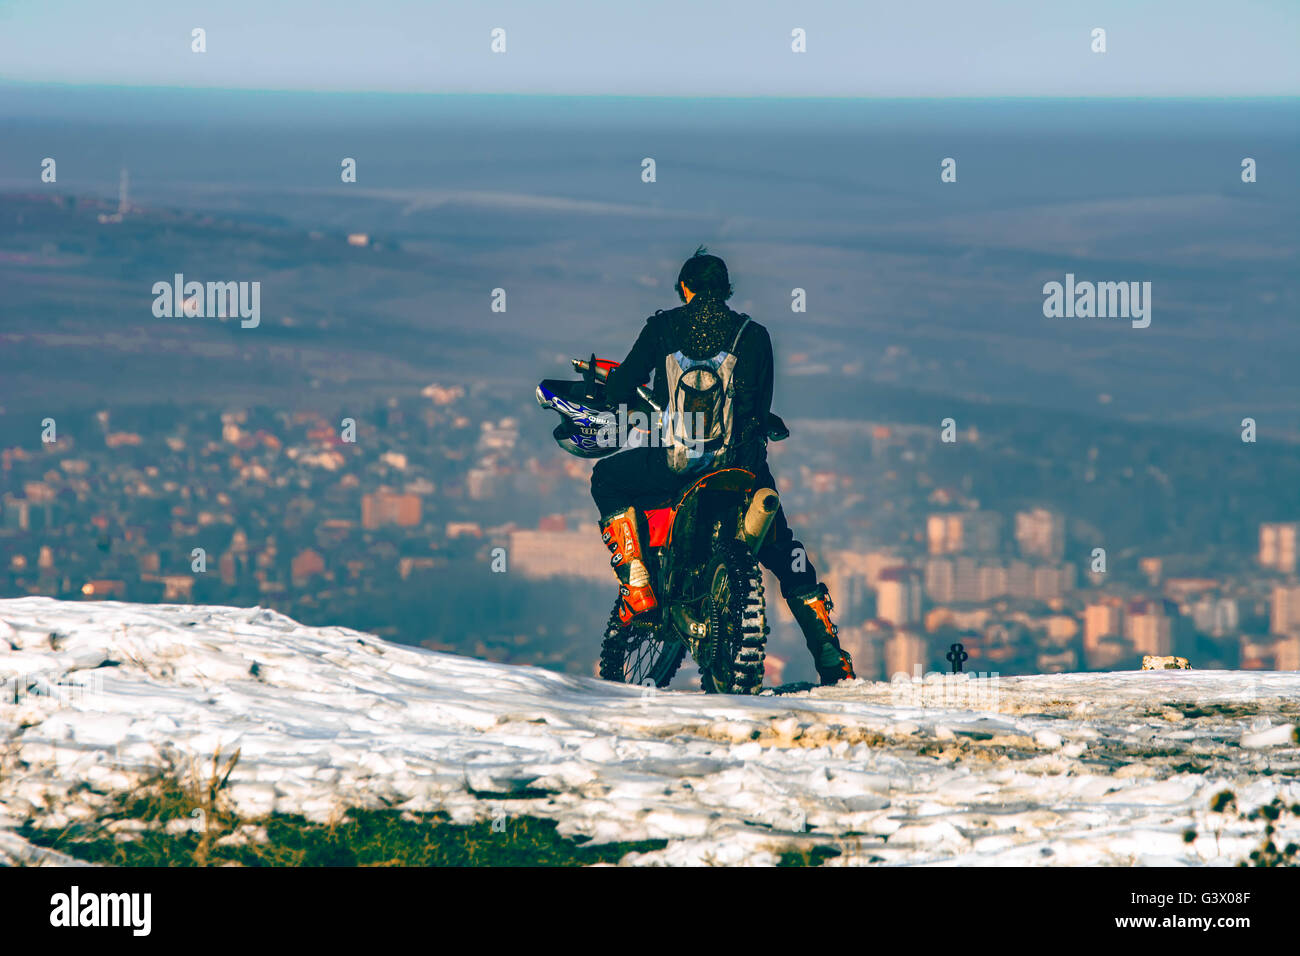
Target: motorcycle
<point>700,549</point>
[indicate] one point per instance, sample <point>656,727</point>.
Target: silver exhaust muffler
<point>758,518</point>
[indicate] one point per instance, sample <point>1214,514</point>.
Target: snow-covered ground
<point>1060,769</point>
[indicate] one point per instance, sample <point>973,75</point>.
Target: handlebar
<point>599,368</point>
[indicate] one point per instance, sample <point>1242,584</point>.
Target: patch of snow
<point>1278,736</point>
<point>1070,769</point>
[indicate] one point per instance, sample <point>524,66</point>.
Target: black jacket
<point>701,329</point>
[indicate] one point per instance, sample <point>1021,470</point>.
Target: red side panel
<point>660,520</point>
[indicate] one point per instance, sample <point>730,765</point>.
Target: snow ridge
<point>1069,769</point>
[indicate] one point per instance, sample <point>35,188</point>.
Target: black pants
<point>641,477</point>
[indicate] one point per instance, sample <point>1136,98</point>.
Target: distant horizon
<point>97,103</point>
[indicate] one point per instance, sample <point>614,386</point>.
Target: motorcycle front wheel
<point>641,656</point>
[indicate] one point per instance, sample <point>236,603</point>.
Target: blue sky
<point>671,47</point>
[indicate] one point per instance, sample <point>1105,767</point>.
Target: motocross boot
<point>812,609</point>
<point>620,534</point>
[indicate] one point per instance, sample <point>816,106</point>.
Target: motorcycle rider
<point>698,333</point>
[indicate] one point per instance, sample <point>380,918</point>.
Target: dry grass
<point>181,817</point>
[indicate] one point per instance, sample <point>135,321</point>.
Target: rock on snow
<point>1060,769</point>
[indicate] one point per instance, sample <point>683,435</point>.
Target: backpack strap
<point>739,331</point>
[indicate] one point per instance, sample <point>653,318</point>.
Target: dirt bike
<point>700,549</point>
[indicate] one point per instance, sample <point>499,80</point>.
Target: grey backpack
<point>697,423</point>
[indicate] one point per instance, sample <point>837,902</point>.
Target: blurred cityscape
<point>443,519</point>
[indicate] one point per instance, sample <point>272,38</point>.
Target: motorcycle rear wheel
<point>734,661</point>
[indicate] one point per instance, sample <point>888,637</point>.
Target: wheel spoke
<point>646,655</point>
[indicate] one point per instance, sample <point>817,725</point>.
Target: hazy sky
<point>669,47</point>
